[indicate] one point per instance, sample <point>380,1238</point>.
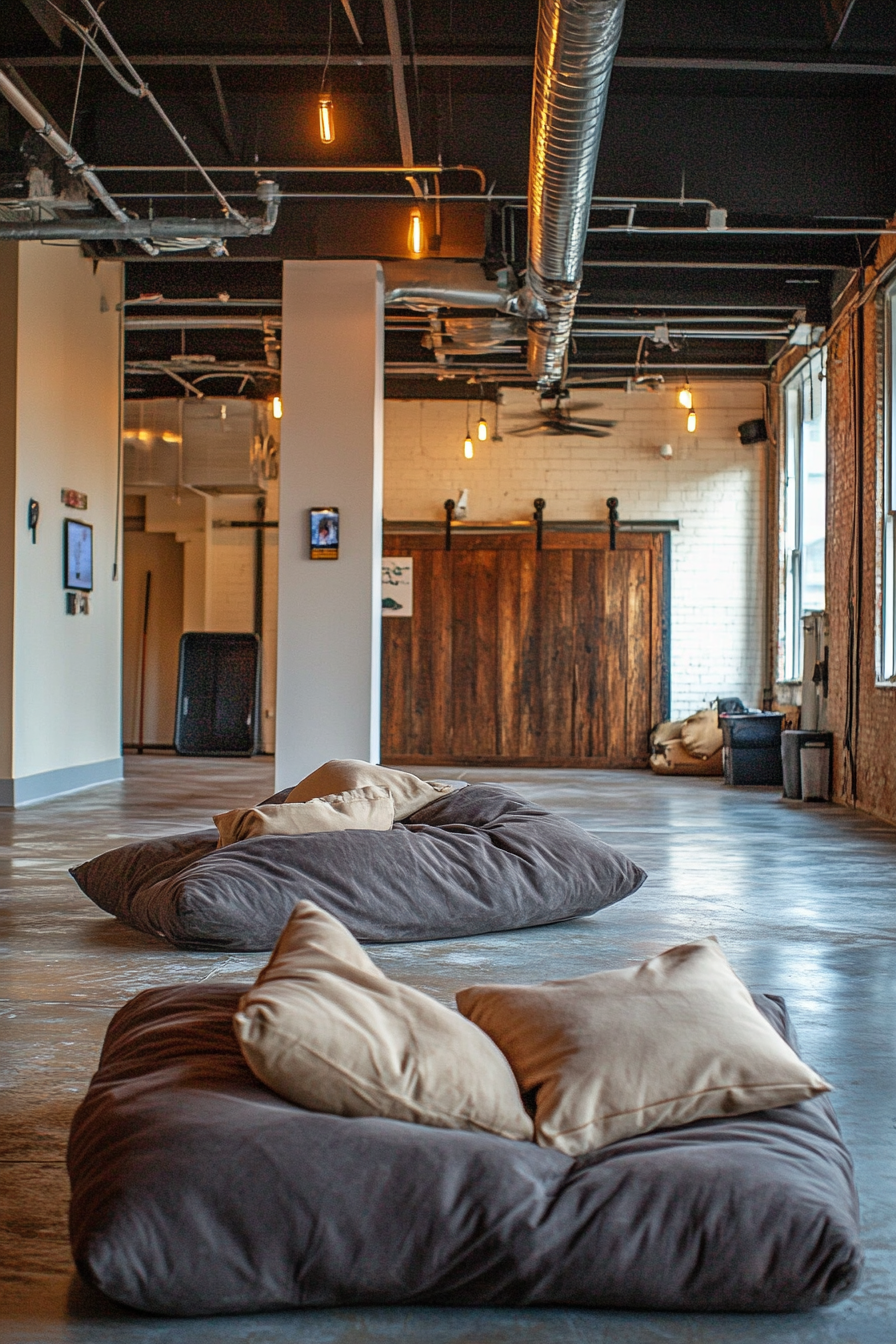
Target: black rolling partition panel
<point>217,694</point>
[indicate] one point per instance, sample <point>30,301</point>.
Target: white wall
<point>713,486</point>
<point>66,700</point>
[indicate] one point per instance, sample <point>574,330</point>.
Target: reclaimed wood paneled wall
<point>518,656</point>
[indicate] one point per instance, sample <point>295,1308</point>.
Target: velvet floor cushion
<point>478,860</point>
<point>196,1191</point>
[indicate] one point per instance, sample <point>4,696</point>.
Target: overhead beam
<point>50,21</point>
<point>836,16</point>
<point>522,62</point>
<point>346,5</point>
<point>399,91</point>
<point>225,114</point>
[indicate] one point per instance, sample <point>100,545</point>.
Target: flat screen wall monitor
<point>78,554</point>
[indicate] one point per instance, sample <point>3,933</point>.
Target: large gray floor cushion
<point>478,860</point>
<point>196,1191</point>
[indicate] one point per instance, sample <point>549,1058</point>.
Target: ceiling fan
<point>554,416</point>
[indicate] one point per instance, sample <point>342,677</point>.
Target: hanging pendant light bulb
<point>482,427</point>
<point>415,233</point>
<point>327,120</point>
<point>692,421</point>
<point>468,441</point>
<point>277,408</point>
<point>686,397</point>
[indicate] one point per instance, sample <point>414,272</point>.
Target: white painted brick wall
<point>713,486</point>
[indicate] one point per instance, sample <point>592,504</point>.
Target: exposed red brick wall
<point>865,776</point>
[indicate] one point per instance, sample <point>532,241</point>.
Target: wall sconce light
<point>325,115</point>
<point>277,408</point>
<point>415,233</point>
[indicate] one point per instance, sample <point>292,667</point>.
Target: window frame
<point>886,623</point>
<point>806,382</point>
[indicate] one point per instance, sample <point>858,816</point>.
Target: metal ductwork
<point>430,285</point>
<point>577,41</point>
<point>153,235</point>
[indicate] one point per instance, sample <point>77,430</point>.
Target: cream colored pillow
<point>367,809</point>
<point>408,792</point>
<point>701,734</point>
<point>620,1053</point>
<point>324,1028</point>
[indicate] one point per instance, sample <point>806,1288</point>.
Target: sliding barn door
<point>518,656</point>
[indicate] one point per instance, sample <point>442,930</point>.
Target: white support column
<point>331,454</point>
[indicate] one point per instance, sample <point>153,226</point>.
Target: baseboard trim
<point>39,788</point>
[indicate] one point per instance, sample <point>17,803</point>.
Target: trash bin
<point>815,772</point>
<point>751,750</point>
<point>792,742</point>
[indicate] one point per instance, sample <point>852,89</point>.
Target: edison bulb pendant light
<point>277,408</point>
<point>327,122</point>
<point>415,233</point>
<point>482,429</point>
<point>468,447</point>
<point>692,421</point>
<point>686,398</point>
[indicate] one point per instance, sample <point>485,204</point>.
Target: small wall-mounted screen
<point>78,552</point>
<point>325,534</point>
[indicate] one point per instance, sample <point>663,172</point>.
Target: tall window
<point>888,577</point>
<point>805,456</point>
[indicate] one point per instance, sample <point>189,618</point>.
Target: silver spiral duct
<point>577,41</point>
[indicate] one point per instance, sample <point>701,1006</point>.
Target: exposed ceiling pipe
<point>171,234</point>
<point>575,47</point>
<point>19,99</point>
<point>402,116</point>
<point>432,284</point>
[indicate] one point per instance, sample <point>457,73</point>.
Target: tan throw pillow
<point>669,731</point>
<point>367,809</point>
<point>408,792</point>
<point>323,1027</point>
<point>701,734</point>
<point>620,1053</point>
<point>672,759</point>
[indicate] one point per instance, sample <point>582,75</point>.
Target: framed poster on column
<point>398,585</point>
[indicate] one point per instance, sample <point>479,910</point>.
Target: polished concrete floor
<point>803,900</point>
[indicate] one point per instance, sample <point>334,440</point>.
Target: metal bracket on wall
<point>448,506</point>
<point>613,511</point>
<point>538,515</point>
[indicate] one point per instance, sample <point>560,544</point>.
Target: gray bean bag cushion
<point>196,1191</point>
<point>479,860</point>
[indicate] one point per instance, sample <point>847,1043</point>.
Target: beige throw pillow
<point>701,734</point>
<point>324,1028</point>
<point>408,792</point>
<point>367,809</point>
<point>620,1053</point>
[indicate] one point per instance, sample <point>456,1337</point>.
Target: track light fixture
<point>415,233</point>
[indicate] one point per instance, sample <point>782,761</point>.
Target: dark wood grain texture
<point>515,656</point>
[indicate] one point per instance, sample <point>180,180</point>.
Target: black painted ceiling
<point>781,111</point>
